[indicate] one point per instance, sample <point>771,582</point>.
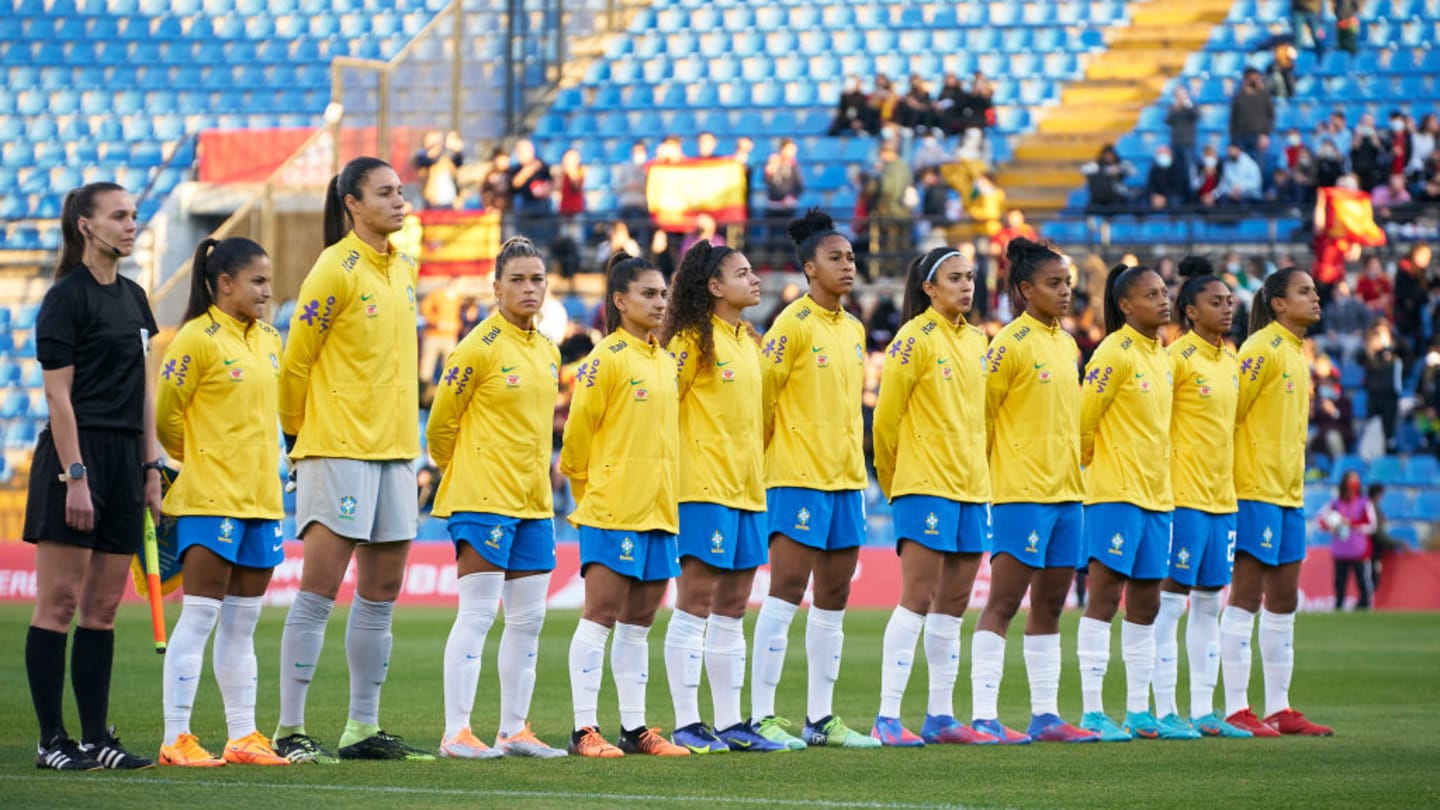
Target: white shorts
<point>366,501</point>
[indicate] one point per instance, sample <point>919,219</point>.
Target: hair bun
<point>1018,247</point>
<point>815,221</point>
<point>1196,267</point>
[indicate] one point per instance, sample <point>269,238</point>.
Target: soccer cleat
<point>649,741</point>
<point>587,742</point>
<point>740,737</point>
<point>891,732</point>
<point>109,753</point>
<point>381,745</point>
<point>700,739</point>
<point>1245,720</point>
<point>1289,721</point>
<point>252,749</point>
<point>1101,724</point>
<point>1213,725</point>
<point>525,744</point>
<point>188,753</point>
<point>465,745</point>
<point>1175,727</point>
<point>1142,725</point>
<point>301,748</point>
<point>1050,728</point>
<point>60,753</point>
<point>1002,735</point>
<point>832,732</point>
<point>775,729</point>
<point>944,729</point>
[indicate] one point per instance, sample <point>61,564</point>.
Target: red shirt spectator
<point>1374,288</point>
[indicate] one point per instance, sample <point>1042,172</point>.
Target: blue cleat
<point>1142,725</point>
<point>893,734</point>
<point>1213,725</point>
<point>1006,736</point>
<point>944,729</point>
<point>1175,727</point>
<point>699,739</point>
<point>1050,728</point>
<point>1107,729</point>
<point>740,737</point>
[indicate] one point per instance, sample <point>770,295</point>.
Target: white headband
<point>945,258</point>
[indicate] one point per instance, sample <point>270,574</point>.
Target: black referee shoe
<point>110,754</point>
<point>60,753</point>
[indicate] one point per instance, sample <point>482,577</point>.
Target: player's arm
<point>777,359</point>
<point>1256,366</point>
<point>309,329</point>
<point>1001,360</point>
<point>897,381</point>
<point>180,373</point>
<point>683,348</point>
<point>1108,370</point>
<point>587,411</point>
<point>463,371</point>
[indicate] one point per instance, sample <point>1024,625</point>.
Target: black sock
<point>45,665</point>
<point>90,664</point>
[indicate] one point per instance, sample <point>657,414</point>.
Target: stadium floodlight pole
<point>152,583</point>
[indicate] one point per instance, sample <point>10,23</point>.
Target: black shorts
<point>117,491</point>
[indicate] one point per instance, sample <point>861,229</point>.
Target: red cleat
<point>1246,719</point>
<point>1290,721</point>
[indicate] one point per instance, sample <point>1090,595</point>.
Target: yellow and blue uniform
<point>1202,441</point>
<point>813,362</point>
<point>491,433</point>
<point>1125,401</point>
<point>1271,420</point>
<point>929,435</point>
<point>621,454</point>
<point>215,412</point>
<point>1032,415</point>
<point>722,482</point>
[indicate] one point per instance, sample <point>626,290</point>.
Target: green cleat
<point>384,746</point>
<point>832,732</point>
<point>302,749</point>
<point>775,729</point>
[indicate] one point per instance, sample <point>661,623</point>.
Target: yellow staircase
<point>1106,104</point>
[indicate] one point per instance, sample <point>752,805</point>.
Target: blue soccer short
<point>1272,534</point>
<point>828,521</point>
<point>722,537</point>
<point>648,556</point>
<point>1040,535</point>
<point>249,542</point>
<point>941,524</point>
<point>1202,550</point>
<point>508,543</point>
<point>1132,542</point>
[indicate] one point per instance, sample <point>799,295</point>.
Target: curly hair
<point>690,303</point>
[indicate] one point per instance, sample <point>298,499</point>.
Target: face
<point>571,159</point>
<point>1350,484</point>
<point>833,268</point>
<point>952,287</point>
<point>381,206</point>
<point>524,151</point>
<point>736,284</point>
<point>1047,293</point>
<point>637,155</point>
<point>643,305</point>
<point>1301,304</point>
<point>520,287</point>
<point>112,219</point>
<point>1147,306</point>
<point>1214,308</point>
<point>249,289</point>
<point>707,145</point>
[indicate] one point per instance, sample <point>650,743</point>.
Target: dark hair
<point>1024,257</point>
<point>690,304</point>
<point>516,247</point>
<point>921,269</point>
<point>620,272</point>
<point>1117,286</point>
<point>1375,491</point>
<point>215,258</point>
<point>1359,485</point>
<point>78,203</point>
<point>808,231</point>
<point>1276,285</point>
<point>1199,273</point>
<point>346,184</point>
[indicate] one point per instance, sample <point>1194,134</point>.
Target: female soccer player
<point>349,409</point>
<point>1032,416</point>
<point>1271,419</point>
<point>929,432</point>
<point>722,492</point>
<point>1201,475</point>
<point>95,470</point>
<point>621,454</point>
<point>1125,448</point>
<point>215,412</point>
<point>490,433</point>
<point>815,474</point>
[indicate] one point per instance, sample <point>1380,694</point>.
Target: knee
<point>56,611</point>
<point>98,612</point>
<point>833,596</point>
<point>953,604</point>
<point>789,587</point>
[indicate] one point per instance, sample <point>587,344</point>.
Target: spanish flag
<point>677,192</point>
<point>459,242</point>
<point>1347,221</point>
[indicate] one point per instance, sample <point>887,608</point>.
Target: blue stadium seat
<point>15,405</point>
<point>34,376</point>
<point>1423,470</point>
<point>20,434</point>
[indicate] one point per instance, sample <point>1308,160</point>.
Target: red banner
<point>458,243</point>
<point>252,155</point>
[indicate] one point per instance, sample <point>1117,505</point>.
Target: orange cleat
<point>650,741</point>
<point>587,742</point>
<point>253,749</point>
<point>188,753</point>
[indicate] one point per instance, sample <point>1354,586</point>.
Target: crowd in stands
<point>959,107</point>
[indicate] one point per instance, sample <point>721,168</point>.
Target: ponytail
<point>1024,258</point>
<point>78,203</point>
<point>346,184</point>
<point>1117,286</point>
<point>620,272</point>
<point>1276,285</point>
<point>213,259</point>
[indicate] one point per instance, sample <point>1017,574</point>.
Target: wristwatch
<point>75,472</point>
<point>157,465</point>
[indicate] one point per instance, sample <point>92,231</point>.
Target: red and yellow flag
<point>677,192</point>
<point>458,243</point>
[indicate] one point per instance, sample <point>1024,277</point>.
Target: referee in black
<point>95,471</point>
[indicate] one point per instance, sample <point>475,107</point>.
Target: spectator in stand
<point>934,200</point>
<point>705,231</point>
<point>706,144</point>
<point>917,109</point>
<point>1272,167</point>
<point>1422,146</point>
<point>1412,282</point>
<point>894,211</point>
<point>471,313</point>
<point>572,197</point>
<point>617,239</point>
<point>1336,131</point>
<point>1240,179</point>
<point>1385,199</point>
<point>1427,398</point>
<point>1280,76</point>
<point>531,186</point>
<point>628,180</point>
<point>1368,159</point>
<point>1345,321</point>
<point>1382,379</point>
<point>1381,542</point>
<point>986,205</point>
<point>1329,165</point>
<point>1208,178</point>
<point>1347,25</point>
<point>1252,112</point>
<point>883,102</point>
<point>440,309</point>
<point>1105,179</point>
<point>784,183</point>
<point>1374,288</point>
<point>1331,412</point>
<point>1298,187</point>
<point>1307,14</point>
<point>929,151</point>
<point>495,193</point>
<point>1015,226</point>
<point>854,115</point>
<point>660,256</point>
<point>1399,142</point>
<point>979,108</point>
<point>669,150</point>
<point>1430,187</point>
<point>1182,118</point>
<point>951,105</point>
<point>438,163</point>
<point>1167,186</point>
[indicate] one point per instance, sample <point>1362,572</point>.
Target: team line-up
<point>696,450</point>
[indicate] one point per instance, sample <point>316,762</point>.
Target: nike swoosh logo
<point>817,348</point>
<point>587,670</point>
<point>636,382</point>
<point>942,361</point>
<point>183,679</point>
<point>777,649</point>
<point>1138,375</point>
<point>299,665</point>
<point>232,362</point>
<point>719,364</point>
<point>1039,365</point>
<point>469,657</point>
<point>1200,380</point>
<point>280,547</point>
<point>1285,374</point>
<point>740,743</point>
<point>364,297</point>
<point>506,369</point>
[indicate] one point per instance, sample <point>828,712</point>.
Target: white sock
<point>1137,649</point>
<point>684,661</point>
<point>587,669</point>
<point>1277,657</point>
<point>1042,664</point>
<point>942,658</point>
<point>300,645</point>
<point>519,648</point>
<point>234,662</point>
<point>1202,648</point>
<point>898,649</point>
<point>1092,647</point>
<point>479,601</point>
<point>367,650</point>
<point>824,641</point>
<point>987,667</point>
<point>772,636</point>
<point>630,667</point>
<point>725,660</point>
<point>1236,625</point>
<point>184,661</point>
<point>1167,652</point>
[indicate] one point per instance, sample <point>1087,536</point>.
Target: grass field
<point>1376,678</point>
